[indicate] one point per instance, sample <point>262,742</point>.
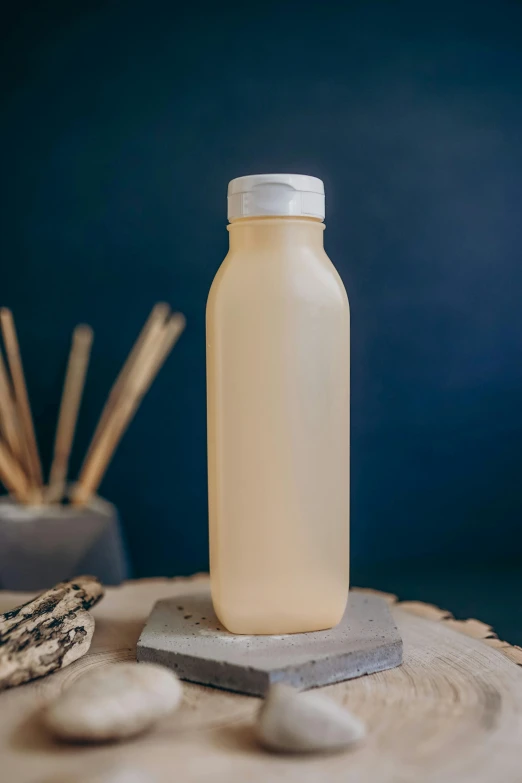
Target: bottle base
<point>275,623</point>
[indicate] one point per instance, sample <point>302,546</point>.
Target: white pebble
<point>295,722</point>
<point>113,702</point>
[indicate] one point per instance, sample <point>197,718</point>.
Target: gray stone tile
<point>184,634</point>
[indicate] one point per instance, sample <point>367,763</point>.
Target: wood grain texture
<point>452,713</point>
<point>47,633</point>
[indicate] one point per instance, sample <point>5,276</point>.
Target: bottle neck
<point>275,232</point>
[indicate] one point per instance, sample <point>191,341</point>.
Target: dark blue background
<point>122,123</point>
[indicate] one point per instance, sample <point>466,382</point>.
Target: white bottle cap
<point>275,194</point>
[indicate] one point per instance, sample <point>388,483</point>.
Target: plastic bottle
<point>278,376</point>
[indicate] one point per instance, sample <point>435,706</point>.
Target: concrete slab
<point>185,635</point>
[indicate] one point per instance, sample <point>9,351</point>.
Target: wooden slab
<point>451,712</point>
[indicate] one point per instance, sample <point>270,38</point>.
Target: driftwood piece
<point>49,632</point>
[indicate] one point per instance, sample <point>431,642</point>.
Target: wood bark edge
<point>471,627</point>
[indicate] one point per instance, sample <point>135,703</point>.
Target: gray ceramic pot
<point>43,545</point>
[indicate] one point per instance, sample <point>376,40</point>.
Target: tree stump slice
<point>451,713</point>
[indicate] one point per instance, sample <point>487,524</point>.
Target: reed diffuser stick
<point>157,317</point>
<point>147,364</point>
<point>12,476</point>
<point>70,405</point>
<point>8,417</point>
<point>12,349</point>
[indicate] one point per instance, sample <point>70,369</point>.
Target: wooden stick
<point>12,476</point>
<point>139,380</point>
<point>32,459</point>
<point>70,405</point>
<point>172,332</point>
<point>8,417</point>
<point>157,317</point>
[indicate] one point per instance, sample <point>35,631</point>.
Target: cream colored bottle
<point>278,375</point>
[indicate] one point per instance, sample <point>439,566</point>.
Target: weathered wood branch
<point>49,632</point>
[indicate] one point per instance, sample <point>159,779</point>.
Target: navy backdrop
<point>122,123</point>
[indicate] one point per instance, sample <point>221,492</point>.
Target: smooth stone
<point>113,702</point>
<point>294,722</point>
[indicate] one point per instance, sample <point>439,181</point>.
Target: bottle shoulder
<point>302,273</point>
